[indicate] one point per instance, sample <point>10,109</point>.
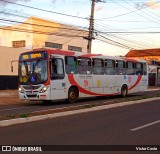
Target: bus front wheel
<point>124,91</point>
<point>72,95</point>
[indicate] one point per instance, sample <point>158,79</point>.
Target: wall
<point>6,56</point>
<point>9,34</point>
<point>9,79</point>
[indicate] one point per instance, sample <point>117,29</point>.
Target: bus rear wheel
<point>124,91</point>
<point>72,95</point>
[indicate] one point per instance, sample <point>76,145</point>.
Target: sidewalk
<point>9,97</point>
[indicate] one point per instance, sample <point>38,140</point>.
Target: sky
<point>119,25</point>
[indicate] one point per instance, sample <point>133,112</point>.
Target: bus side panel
<point>58,89</point>
<point>137,83</point>
<point>86,83</point>
<point>119,81</point>
<point>110,84</point>
<point>98,84</point>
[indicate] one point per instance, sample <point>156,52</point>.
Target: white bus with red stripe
<point>47,74</point>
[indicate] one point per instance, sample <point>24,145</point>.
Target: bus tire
<point>73,95</point>
<point>124,91</point>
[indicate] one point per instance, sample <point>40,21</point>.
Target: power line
<point>39,25</point>
<point>103,31</point>
<point>43,10</point>
<point>27,16</point>
<point>135,12</point>
<point>131,42</point>
<point>123,14</point>
<point>131,38</point>
<point>148,14</point>
<point>137,40</point>
<point>130,32</point>
<point>40,32</point>
<point>116,43</point>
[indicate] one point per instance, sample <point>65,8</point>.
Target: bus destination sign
<point>33,55</point>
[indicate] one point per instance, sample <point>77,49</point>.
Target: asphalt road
<point>128,125</point>
<point>34,107</point>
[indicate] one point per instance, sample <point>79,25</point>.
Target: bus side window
<point>109,67</point>
<point>130,68</point>
<point>71,65</point>
<point>57,68</point>
<point>139,68</point>
<point>84,65</point>
<point>120,67</point>
<point>144,69</point>
<point>97,66</point>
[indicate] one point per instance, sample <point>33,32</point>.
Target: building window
<point>53,45</point>
<point>18,44</point>
<point>74,48</point>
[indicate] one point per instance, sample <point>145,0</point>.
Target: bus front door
<point>58,83</point>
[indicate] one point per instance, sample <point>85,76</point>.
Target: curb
<point>67,113</point>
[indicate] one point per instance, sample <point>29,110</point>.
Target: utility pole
<point>91,26</point>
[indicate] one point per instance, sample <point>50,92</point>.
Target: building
<point>152,55</point>
<point>153,58</point>
<point>39,33</point>
<point>31,34</point>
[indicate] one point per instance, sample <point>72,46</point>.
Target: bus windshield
<point>33,72</point>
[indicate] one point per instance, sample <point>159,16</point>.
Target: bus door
<point>58,83</point>
<point>84,78</point>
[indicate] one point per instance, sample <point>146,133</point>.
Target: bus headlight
<point>21,90</point>
<point>44,89</point>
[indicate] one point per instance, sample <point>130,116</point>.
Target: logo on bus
<point>86,83</point>
<point>129,79</point>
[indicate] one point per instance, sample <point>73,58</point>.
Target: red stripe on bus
<point>137,82</point>
<point>61,52</point>
<point>82,90</point>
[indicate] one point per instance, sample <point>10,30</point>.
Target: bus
<point>51,74</point>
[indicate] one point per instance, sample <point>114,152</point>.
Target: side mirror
<point>11,68</point>
<point>12,65</point>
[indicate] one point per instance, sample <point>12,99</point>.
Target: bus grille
<point>34,87</point>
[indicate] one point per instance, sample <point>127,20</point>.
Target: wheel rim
<point>124,92</point>
<point>72,95</point>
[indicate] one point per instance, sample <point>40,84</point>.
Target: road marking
<point>147,125</point>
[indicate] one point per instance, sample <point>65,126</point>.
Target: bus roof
<point>80,54</point>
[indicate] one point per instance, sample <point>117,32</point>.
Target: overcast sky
<point>114,19</point>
